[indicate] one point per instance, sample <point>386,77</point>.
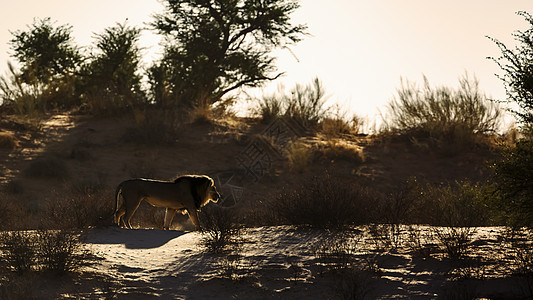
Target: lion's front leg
<point>169,215</point>
<point>193,215</point>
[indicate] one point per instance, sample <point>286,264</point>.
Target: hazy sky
<point>359,49</point>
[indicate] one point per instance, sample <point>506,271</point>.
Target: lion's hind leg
<point>131,207</point>
<point>118,216</point>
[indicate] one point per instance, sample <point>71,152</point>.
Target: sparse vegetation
<point>324,202</point>
<point>303,104</point>
<point>78,210</point>
<point>220,229</point>
<point>447,119</point>
<point>57,251</point>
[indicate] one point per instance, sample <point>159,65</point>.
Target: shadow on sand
<point>132,238</point>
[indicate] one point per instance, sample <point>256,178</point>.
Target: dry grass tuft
<point>337,149</point>
<point>300,156</point>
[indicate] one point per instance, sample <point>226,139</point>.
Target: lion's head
<point>206,190</point>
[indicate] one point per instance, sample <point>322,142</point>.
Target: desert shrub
<point>420,241</point>
<point>456,209</point>
<point>303,104</point>
<point>339,149</point>
<point>460,204</point>
<point>18,250</point>
<point>220,229</point>
<point>337,250</point>
<point>270,108</point>
<point>338,253</point>
<point>332,127</point>
<point>78,210</point>
<point>47,167</point>
<point>448,119</point>
<point>8,141</point>
<point>514,180</point>
<point>323,202</point>
<point>337,123</point>
<point>58,251</point>
<point>456,240</point>
<point>385,236</point>
<point>299,156</point>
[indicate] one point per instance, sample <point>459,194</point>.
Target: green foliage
<point>444,116</point>
<point>113,72</point>
<point>304,103</point>
<point>461,204</point>
<point>48,60</point>
<point>44,51</point>
<point>514,177</point>
<point>517,65</point>
<point>214,47</point>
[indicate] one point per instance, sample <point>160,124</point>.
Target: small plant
<point>420,241</point>
<point>220,229</point>
<point>385,236</point>
<point>337,251</point>
<point>456,240</point>
<point>235,267</point>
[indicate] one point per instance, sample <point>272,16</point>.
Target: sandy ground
<point>282,263</point>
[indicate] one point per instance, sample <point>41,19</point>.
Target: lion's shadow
<point>133,238</point>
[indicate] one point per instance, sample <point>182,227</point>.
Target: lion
<point>187,193</point>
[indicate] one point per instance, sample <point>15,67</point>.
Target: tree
<point>517,66</point>
<point>213,47</point>
<point>48,61</point>
<point>113,72</point>
<point>45,51</point>
<point>514,176</point>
